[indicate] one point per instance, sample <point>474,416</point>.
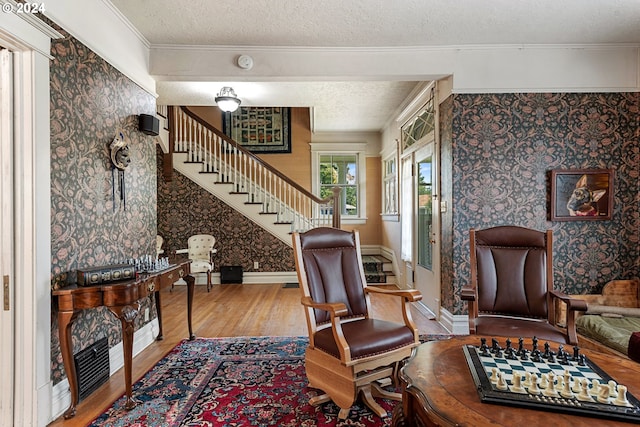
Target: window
<point>341,170</point>
<point>421,125</point>
<point>344,166</point>
<point>390,188</point>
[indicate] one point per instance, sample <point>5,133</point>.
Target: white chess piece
<point>533,389</point>
<point>576,385</point>
<point>560,382</point>
<point>544,380</point>
<point>494,375</point>
<point>603,394</point>
<point>566,389</point>
<point>527,379</point>
<point>517,384</point>
<point>612,388</point>
<point>502,383</point>
<point>550,391</point>
<point>621,400</point>
<point>595,387</point>
<point>583,396</point>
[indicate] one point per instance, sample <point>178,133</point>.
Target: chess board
<point>494,375</point>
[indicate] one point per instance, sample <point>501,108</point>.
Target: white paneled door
<point>6,240</point>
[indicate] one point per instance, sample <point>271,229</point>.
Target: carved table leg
<point>156,296</point>
<point>127,315</point>
<point>191,282</point>
<point>65,321</point>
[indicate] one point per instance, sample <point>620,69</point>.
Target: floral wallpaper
<point>90,103</point>
<point>185,209</point>
<point>504,146</point>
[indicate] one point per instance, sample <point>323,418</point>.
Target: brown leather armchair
<point>349,353</point>
<point>511,290</point>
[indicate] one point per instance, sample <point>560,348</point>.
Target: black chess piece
<point>510,354</point>
<point>576,353</point>
<point>485,351</point>
<point>524,355</point>
<point>520,346</point>
<point>495,346</point>
<point>581,360</point>
<point>545,355</point>
<point>551,358</point>
<point>534,342</point>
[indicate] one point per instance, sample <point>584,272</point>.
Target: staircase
<point>254,189</point>
<point>242,180</point>
<point>377,269</point>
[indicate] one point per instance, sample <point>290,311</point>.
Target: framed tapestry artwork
<point>581,194</point>
<point>260,129</point>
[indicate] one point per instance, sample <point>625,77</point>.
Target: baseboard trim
<point>142,338</point>
<point>455,324</point>
<point>250,278</point>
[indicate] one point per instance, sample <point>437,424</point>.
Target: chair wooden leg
<point>324,398</point>
<point>208,280</point>
<point>344,413</point>
<point>319,400</point>
<point>367,397</point>
<point>378,391</point>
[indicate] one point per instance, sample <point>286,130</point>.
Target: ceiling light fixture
<point>227,100</point>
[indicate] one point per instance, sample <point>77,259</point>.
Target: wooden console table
<point>438,390</point>
<point>123,300</point>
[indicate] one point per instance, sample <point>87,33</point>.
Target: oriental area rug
<point>244,381</point>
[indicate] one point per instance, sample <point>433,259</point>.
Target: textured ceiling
<point>364,23</point>
<point>377,23</point>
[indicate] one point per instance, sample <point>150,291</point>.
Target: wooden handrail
<point>256,158</point>
<point>334,199</point>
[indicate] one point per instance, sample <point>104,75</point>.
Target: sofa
<point>611,323</point>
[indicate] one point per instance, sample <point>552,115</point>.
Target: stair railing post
<point>336,207</point>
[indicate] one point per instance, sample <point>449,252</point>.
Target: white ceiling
<point>364,23</point>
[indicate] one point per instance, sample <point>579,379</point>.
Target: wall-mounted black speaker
<point>149,124</point>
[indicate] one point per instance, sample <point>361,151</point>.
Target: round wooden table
<point>438,390</point>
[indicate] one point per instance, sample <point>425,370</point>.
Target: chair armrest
<point>467,294</point>
<point>573,304</point>
<point>336,309</point>
<point>410,295</point>
<point>214,251</point>
<point>182,251</point>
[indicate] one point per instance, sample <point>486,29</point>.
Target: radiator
<point>92,367</point>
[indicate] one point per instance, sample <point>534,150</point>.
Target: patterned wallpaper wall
<point>90,103</point>
<point>503,147</point>
<point>185,209</point>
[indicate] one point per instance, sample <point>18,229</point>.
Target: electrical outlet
<point>146,314</point>
<point>256,265</point>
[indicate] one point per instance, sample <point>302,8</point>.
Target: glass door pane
<point>425,213</point>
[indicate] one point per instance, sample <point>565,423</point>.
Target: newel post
<point>336,207</point>
<point>167,158</point>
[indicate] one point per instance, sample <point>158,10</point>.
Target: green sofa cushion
<point>614,332</point>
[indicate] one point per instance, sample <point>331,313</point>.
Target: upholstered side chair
<point>200,251</point>
<point>350,354</point>
<point>511,288</point>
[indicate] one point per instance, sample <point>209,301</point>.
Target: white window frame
<point>359,149</point>
<point>390,213</point>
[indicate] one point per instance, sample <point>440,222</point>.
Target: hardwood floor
<point>227,311</point>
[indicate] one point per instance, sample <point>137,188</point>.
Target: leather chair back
<point>512,274</point>
<point>332,263</point>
